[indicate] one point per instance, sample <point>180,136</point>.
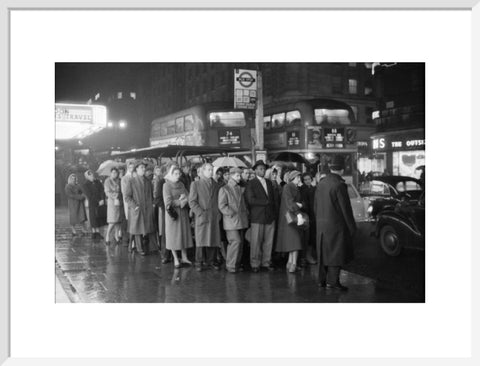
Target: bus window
<point>293,118</point>
<point>171,127</point>
<point>267,122</point>
<point>333,116</point>
<point>188,123</point>
<point>227,119</point>
<point>278,120</point>
<point>179,122</point>
<point>163,129</point>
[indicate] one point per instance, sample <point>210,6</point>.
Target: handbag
<point>172,213</point>
<point>293,220</point>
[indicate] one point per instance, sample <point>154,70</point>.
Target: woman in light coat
<point>178,234</point>
<point>115,212</point>
<point>76,207</point>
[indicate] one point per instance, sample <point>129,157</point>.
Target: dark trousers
<point>328,274</point>
<point>205,254</point>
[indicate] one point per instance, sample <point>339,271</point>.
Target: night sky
<point>77,82</point>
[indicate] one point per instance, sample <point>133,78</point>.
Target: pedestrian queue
<point>232,218</point>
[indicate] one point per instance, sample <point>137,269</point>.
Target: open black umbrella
<point>290,157</point>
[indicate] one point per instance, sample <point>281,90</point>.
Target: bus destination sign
<point>229,137</point>
<point>334,138</point>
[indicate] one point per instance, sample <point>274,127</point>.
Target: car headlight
<point>370,210</point>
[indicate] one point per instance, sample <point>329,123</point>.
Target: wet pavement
<point>90,271</point>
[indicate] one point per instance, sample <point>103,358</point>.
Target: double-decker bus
<point>209,124</point>
<point>316,129</point>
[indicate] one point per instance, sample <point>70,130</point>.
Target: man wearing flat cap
<point>335,225</point>
<point>260,198</point>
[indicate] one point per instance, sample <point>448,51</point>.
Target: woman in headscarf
<point>178,234</point>
<point>115,212</point>
<point>76,207</point>
<point>289,238</point>
<point>93,189</point>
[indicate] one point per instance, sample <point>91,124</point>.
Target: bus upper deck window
<point>278,120</point>
<point>188,125</point>
<point>293,118</point>
<point>227,119</point>
<point>179,123</point>
<point>332,116</point>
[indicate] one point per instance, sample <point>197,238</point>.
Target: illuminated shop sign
<point>396,143</point>
<point>76,121</point>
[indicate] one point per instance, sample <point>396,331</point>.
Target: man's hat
<point>337,163</point>
<point>140,162</point>
<point>258,163</point>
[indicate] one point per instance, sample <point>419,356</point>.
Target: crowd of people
<point>240,219</point>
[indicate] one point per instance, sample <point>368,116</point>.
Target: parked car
<point>402,227</point>
<point>385,192</point>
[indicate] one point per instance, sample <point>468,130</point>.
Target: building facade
<point>398,145</point>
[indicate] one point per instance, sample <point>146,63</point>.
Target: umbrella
<point>291,157</point>
<point>420,167</point>
<point>106,167</point>
<point>229,161</point>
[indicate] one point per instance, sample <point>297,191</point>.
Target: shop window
<point>119,95</point>
<point>352,86</point>
<point>133,95</point>
<point>368,90</point>
<point>293,118</point>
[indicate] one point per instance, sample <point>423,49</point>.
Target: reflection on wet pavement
<point>100,273</point>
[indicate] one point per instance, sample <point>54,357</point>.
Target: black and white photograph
<point>248,182</point>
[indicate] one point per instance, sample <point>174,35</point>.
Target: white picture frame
<point>6,286</point>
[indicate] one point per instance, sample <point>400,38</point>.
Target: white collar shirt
<point>264,184</point>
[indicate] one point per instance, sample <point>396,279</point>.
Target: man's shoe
<point>337,286</point>
<point>232,270</point>
<point>198,268</point>
<point>255,269</point>
<point>268,268</point>
<point>166,260</point>
<point>215,266</point>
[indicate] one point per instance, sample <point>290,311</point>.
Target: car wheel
<point>390,241</point>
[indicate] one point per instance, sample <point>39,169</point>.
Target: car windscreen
<point>377,188</point>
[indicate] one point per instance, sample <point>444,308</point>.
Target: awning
<point>173,151</point>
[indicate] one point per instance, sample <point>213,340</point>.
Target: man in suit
<point>335,225</point>
<point>260,198</point>
<point>203,201</point>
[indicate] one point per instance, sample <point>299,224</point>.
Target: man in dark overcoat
<point>260,198</point>
<point>139,197</point>
<point>335,225</point>
<point>203,201</point>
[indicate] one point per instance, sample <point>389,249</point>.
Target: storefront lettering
<point>415,143</point>
<point>396,143</point>
<point>379,143</point>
